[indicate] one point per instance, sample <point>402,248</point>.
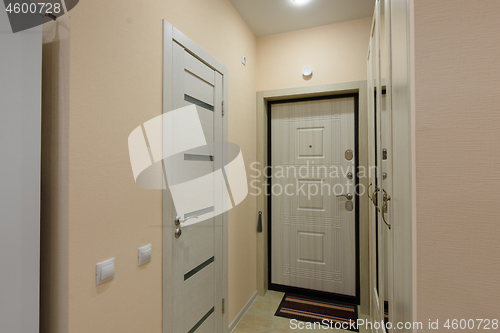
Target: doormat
<point>313,310</point>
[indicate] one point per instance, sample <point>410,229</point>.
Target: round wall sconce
<point>307,71</point>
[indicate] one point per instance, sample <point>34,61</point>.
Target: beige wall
<point>115,84</point>
<point>457,73</point>
<point>337,53</point>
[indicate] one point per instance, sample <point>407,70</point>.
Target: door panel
<point>198,297</point>
<point>196,67</point>
<point>313,235</point>
<point>196,256</point>
<point>198,244</point>
<point>198,89</point>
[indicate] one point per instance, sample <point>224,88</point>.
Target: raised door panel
<point>198,297</point>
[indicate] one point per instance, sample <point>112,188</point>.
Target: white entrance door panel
<point>313,232</point>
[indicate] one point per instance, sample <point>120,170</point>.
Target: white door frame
<point>171,35</point>
<point>377,256</point>
<point>403,201</point>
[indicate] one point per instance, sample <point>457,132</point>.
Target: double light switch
<point>105,270</point>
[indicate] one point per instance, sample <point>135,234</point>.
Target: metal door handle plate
<point>348,196</point>
<point>179,220</point>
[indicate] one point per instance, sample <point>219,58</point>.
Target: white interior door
<point>194,260</point>
<point>313,226</point>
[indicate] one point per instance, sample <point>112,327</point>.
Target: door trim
<point>172,35</point>
<point>263,97</point>
<point>314,293</point>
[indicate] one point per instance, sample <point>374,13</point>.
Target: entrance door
<point>313,225</point>
<point>194,278</point>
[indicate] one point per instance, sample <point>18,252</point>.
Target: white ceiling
<point>269,17</point>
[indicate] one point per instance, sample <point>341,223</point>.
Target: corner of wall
<point>54,296</point>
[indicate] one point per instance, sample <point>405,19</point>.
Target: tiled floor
<point>260,317</point>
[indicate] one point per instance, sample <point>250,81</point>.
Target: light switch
<point>144,254</point>
<point>105,271</point>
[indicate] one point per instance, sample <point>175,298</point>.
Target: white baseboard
<point>240,315</point>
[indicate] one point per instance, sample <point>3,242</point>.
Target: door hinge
<point>223,305</point>
<point>222,108</point>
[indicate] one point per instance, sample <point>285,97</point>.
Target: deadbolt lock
<point>349,155</point>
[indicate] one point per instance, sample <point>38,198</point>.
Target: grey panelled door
<point>313,230</point>
<point>195,302</point>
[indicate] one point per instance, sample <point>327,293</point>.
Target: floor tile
<point>260,317</point>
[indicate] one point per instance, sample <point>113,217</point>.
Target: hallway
<point>165,163</point>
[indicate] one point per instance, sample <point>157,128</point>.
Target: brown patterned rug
<point>315,310</point>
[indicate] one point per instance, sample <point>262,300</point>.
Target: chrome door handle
<point>179,220</point>
<point>348,196</point>
<point>178,233</point>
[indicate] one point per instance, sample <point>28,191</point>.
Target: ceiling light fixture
<point>300,2</point>
<point>307,71</point>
